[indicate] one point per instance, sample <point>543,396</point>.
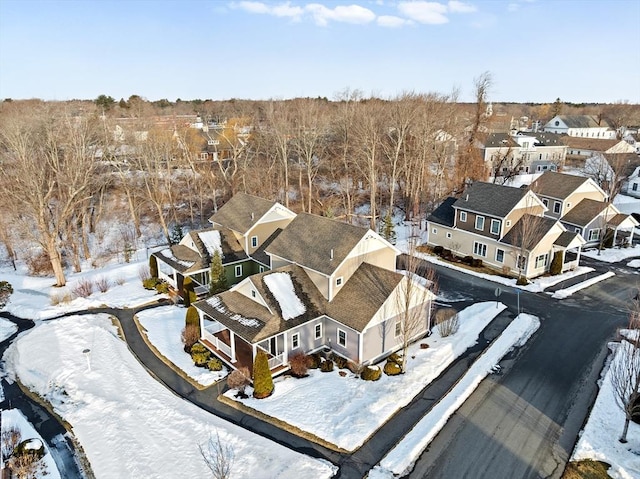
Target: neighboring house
<point>580,148</point>
<point>523,152</point>
<point>334,287</point>
<point>582,126</point>
<point>582,207</point>
<point>242,228</point>
<point>633,185</point>
<point>505,227</point>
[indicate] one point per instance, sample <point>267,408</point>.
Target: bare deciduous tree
<point>218,457</point>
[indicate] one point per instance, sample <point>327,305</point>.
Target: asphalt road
<point>524,423</point>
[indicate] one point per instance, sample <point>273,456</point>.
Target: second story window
<point>254,241</point>
<point>556,207</point>
<point>479,222</point>
<point>463,216</point>
<point>495,227</point>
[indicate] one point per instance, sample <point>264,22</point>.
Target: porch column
<point>578,257</point>
<point>285,349</point>
<point>615,234</point>
<point>253,352</point>
<point>233,346</point>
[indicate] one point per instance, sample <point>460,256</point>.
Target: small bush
<point>438,250</point>
<point>162,288</point>
<point>341,362</point>
<point>153,267</point>
<point>102,283</point>
<point>6,290</point>
<point>144,274</point>
<point>326,366</point>
<point>354,367</point>
<point>39,264</point>
<point>120,280</point>
<point>371,373</point>
<point>190,336</point>
<point>200,356</point>
<point>522,281</point>
<point>61,297</point>
<point>392,368</point>
<point>214,364</point>
<point>468,260</point>
<point>446,253</point>
<point>198,348</point>
<point>447,321</point>
<point>299,365</point>
<point>83,288</point>
<point>395,358</point>
<point>476,263</point>
<point>314,361</point>
<point>239,379</point>
<point>150,283</point>
<point>556,263</point>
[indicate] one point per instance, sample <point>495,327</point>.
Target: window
<point>556,206</point>
<point>262,269</point>
<point>254,241</point>
<point>495,227</point>
<point>238,271</point>
<point>434,231</point>
<point>508,223</point>
<point>545,202</point>
<point>463,216</point>
<point>521,262</point>
<point>398,329</point>
<point>318,331</point>
<point>479,249</point>
<point>568,205</point>
<point>204,156</point>
<point>594,234</point>
<point>557,123</point>
<point>634,187</point>
<point>542,260</point>
<point>479,222</point>
<point>295,341</point>
<point>578,230</point>
<point>339,281</point>
<point>342,338</point>
<point>499,255</point>
<point>253,293</point>
<point>448,235</point>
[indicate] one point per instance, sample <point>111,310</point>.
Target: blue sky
<point>580,51</point>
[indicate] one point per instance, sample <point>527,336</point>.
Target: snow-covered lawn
<point>565,293</point>
<point>7,328</point>
<point>613,255</point>
<point>32,296</point>
<point>400,460</point>
<point>130,425</point>
<point>14,418</point>
<point>345,411</point>
<point>634,264</point>
<point>627,204</point>
<point>163,326</point>
<point>599,438</point>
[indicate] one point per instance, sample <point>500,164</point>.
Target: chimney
<point>331,254</point>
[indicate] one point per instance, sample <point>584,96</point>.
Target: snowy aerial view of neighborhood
<point>297,240</point>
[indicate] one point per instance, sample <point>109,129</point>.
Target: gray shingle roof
<point>565,238</point>
<point>260,254</point>
<point>557,185</point>
<point>310,240</point>
<point>500,140</point>
<point>583,121</point>
<point>584,212</point>
<point>490,199</point>
<point>444,214</point>
<point>534,227</point>
<point>241,212</point>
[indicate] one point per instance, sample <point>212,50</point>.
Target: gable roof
<point>590,144</point>
<point>500,140</point>
<point>444,214</point>
<point>584,212</point>
<point>583,121</point>
<point>260,255</point>
<point>242,212</point>
<point>538,228</point>
<point>311,240</point>
<point>490,199</point>
<point>557,185</point>
<point>567,238</point>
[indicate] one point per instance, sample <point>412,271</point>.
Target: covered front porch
<point>623,229</point>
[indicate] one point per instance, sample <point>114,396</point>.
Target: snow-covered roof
<point>211,240</point>
<point>216,304</point>
<point>281,287</point>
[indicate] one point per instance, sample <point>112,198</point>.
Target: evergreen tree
<point>556,263</point>
<point>387,229</point>
<point>153,266</point>
<point>218,278</point>
<point>188,292</point>
<point>176,234</point>
<point>192,317</point>
<point>262,380</point>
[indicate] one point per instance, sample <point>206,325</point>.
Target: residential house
<point>581,148</point>
<point>633,184</point>
<point>505,227</point>
<point>241,229</point>
<point>333,286</point>
<point>583,126</point>
<point>582,207</point>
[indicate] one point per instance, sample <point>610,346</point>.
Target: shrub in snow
<point>188,292</point>
<point>190,336</point>
<point>314,361</point>
<point>150,283</point>
<point>200,355</point>
<point>6,290</point>
<point>162,287</point>
<point>239,379</point>
<point>556,263</point>
<point>214,364</point>
<point>326,366</point>
<point>395,358</point>
<point>192,317</point>
<point>11,437</point>
<point>371,373</point>
<point>102,283</point>
<point>447,322</point>
<point>83,288</point>
<point>120,280</point>
<point>39,264</point>
<point>299,365</point>
<point>341,362</point>
<point>438,249</point>
<point>522,281</point>
<point>391,368</point>
<point>262,380</point>
<point>144,272</point>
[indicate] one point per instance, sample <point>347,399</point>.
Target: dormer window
<point>556,207</point>
<point>480,223</point>
<point>463,216</point>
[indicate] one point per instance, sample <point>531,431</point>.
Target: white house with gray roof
<point>582,126</point>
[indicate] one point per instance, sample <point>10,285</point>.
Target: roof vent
<point>331,254</point>
<point>252,218</point>
<point>467,198</point>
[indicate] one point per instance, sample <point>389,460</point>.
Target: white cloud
<point>347,14</point>
<point>454,6</point>
<point>432,13</point>
<point>281,10</point>
<point>392,21</point>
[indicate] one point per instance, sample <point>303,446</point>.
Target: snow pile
<point>7,328</point>
<point>216,303</point>
<point>163,327</point>
<point>564,293</point>
<point>281,287</point>
<point>13,418</point>
<point>129,424</point>
<point>211,241</point>
<point>400,460</point>
<point>33,296</point>
<point>599,439</point>
<point>634,264</point>
<point>349,417</point>
<point>613,255</point>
